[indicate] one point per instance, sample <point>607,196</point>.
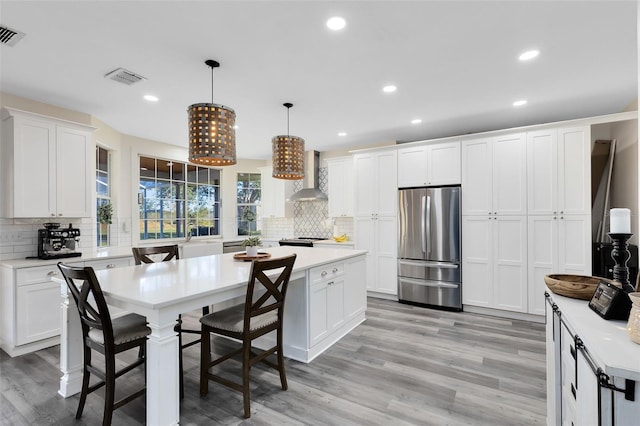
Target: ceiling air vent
<point>124,76</point>
<point>10,37</point>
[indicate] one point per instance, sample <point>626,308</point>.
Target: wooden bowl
<point>574,286</point>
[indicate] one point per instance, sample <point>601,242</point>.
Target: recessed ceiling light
<point>342,134</point>
<point>530,54</point>
<point>389,89</point>
<point>336,23</point>
<point>235,126</point>
<point>519,103</point>
<point>416,121</point>
<point>151,98</point>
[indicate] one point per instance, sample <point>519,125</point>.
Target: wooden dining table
<point>161,291</point>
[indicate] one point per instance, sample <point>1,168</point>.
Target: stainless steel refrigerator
<point>429,261</point>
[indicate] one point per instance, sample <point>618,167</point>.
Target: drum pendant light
<point>288,154</point>
<point>212,135</point>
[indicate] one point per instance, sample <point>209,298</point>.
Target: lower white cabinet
<point>30,304</point>
<point>378,235</point>
<point>495,262</point>
<point>558,244</point>
<point>326,308</point>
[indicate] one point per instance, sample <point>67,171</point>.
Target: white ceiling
<point>455,64</point>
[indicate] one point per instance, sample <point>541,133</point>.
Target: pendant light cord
<point>211,84</point>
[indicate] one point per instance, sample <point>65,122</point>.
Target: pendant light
<point>288,154</point>
<point>212,136</point>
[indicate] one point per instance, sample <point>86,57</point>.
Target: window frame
<point>240,206</point>
<point>102,198</point>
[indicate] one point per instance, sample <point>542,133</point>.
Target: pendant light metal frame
<point>288,154</point>
<point>212,133</point>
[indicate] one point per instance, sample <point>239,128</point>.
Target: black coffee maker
<point>57,243</point>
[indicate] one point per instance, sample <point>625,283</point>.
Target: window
<point>249,194</point>
<point>176,198</point>
<point>103,197</point>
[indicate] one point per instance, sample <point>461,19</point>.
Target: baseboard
<point>504,314</point>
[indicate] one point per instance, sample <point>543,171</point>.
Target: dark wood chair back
<point>141,254</point>
<point>275,290</point>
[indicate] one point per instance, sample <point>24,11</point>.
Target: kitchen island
<point>326,299</point>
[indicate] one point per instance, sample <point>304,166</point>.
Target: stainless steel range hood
<point>311,188</point>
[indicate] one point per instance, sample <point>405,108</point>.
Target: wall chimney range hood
<point>311,188</point>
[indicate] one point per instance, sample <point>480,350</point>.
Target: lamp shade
<point>212,136</point>
<point>288,157</point>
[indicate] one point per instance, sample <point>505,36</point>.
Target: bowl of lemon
<point>340,239</point>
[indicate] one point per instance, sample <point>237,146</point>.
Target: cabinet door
<point>340,188</point>
<point>386,184</point>
<point>510,263</point>
<point>542,258</point>
<point>386,265</point>
<point>365,232</point>
<point>574,178</point>
<point>444,164</point>
<point>355,288</point>
<point>509,174</point>
<point>34,191</point>
<point>477,266</point>
<point>37,312</point>
<point>476,177</point>
<point>412,166</point>
<point>318,312</point>
<point>272,197</point>
<point>574,248</point>
<point>365,184</point>
<point>335,303</point>
<point>74,170</point>
<point>542,172</point>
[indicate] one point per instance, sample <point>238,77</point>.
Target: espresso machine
<point>56,243</point>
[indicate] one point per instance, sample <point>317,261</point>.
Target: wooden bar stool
<point>248,321</point>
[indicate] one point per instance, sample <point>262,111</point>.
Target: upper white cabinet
<point>274,195</point>
<point>559,169</point>
<point>429,165</point>
<point>47,166</point>
<point>376,176</point>
<point>494,176</point>
<point>340,172</point>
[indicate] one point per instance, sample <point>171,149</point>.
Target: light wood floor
<point>403,365</point>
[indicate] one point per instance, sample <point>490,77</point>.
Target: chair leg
<point>246,367</point>
<point>110,387</point>
<point>283,377</point>
<point>85,381</point>
<point>205,360</point>
<point>179,330</point>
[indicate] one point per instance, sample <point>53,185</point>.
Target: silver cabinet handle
<point>330,283</point>
<point>323,273</point>
<point>53,214</point>
<point>334,270</point>
<point>111,266</point>
<point>52,273</point>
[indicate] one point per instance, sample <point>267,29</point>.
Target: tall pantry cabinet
<point>559,206</point>
<point>375,218</point>
<point>494,222</point>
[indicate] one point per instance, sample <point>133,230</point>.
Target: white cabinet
<point>273,201</point>
<point>340,174</point>
<point>429,165</point>
<point>494,176</point>
<point>558,244</point>
<point>30,304</point>
<point>376,222</point>
<point>559,171</point>
<point>376,177</point>
<point>326,307</point>
<point>355,288</point>
<point>48,166</point>
<point>495,262</point>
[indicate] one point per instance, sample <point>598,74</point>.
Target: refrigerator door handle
<point>442,265</point>
<point>423,234</point>
<point>427,236</point>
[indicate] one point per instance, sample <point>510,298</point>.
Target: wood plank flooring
<point>404,365</point>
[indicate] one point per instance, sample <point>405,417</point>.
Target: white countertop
<point>606,340</point>
<point>87,255</point>
<point>335,243</point>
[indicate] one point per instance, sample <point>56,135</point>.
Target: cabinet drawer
<point>37,312</point>
<point>39,274</point>
<point>326,272</point>
<point>110,263</point>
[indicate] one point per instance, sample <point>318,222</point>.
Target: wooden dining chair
<point>261,313</point>
<point>105,335</point>
<point>162,254</point>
